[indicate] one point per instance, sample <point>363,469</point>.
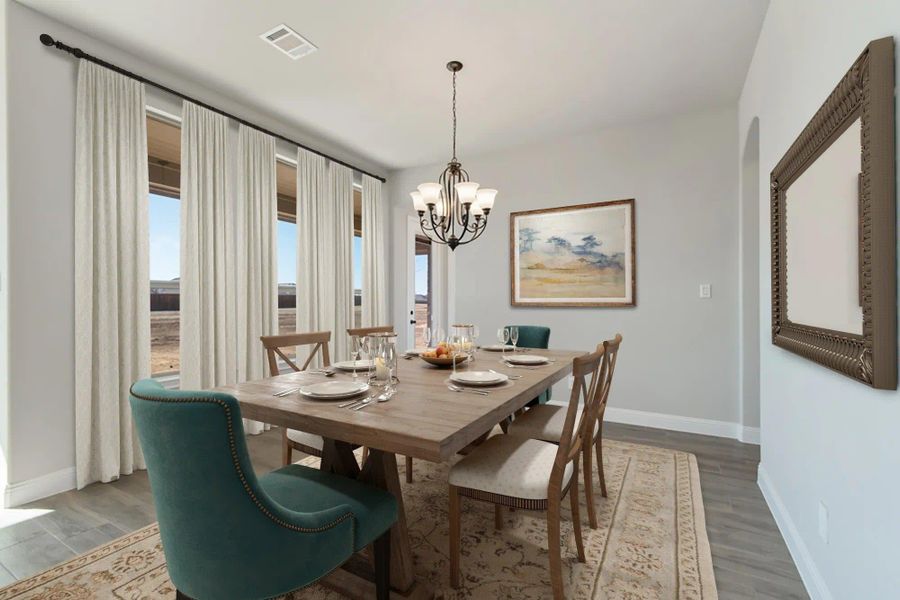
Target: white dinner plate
<point>353,365</point>
<point>479,378</point>
<point>527,359</point>
<point>497,348</point>
<point>334,389</point>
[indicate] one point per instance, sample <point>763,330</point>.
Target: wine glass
<point>503,338</point>
<point>427,335</point>
<point>439,336</point>
<point>455,344</point>
<point>514,337</point>
<point>475,333</point>
<point>356,349</point>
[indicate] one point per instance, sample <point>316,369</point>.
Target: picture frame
<point>581,255</point>
<point>841,314</point>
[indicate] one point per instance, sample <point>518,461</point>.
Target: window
<point>286,178</point>
<point>423,288</point>
<point>163,161</point>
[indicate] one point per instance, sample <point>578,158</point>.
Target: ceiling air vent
<point>289,41</point>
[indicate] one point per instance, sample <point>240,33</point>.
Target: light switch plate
<point>705,290</point>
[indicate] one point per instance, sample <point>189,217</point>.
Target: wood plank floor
<point>749,555</point>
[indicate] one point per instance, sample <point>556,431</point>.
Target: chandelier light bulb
<point>486,198</point>
<point>466,191</point>
<point>418,201</point>
<point>431,192</point>
<point>475,210</point>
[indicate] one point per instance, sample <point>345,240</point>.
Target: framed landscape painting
<point>581,255</point>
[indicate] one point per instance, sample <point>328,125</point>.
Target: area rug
<point>651,544</point>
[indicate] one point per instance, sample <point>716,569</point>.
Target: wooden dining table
<point>424,420</point>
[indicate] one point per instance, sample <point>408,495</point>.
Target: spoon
<point>372,400</point>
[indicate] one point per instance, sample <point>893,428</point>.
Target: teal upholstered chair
<point>535,336</point>
<point>227,534</point>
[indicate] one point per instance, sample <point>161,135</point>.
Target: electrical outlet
<point>823,521</point>
<point>705,290</point>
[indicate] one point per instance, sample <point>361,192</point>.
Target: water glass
<point>503,337</point>
<point>455,344</point>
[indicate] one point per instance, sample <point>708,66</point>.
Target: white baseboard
<point>30,490</point>
<point>809,573</point>
<point>748,435</point>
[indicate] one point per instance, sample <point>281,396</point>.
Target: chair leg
<point>498,517</point>
<point>179,595</point>
<point>553,546</point>
<point>383,566</point>
<point>576,514</point>
<point>409,469</point>
<point>598,443</point>
<point>454,537</point>
<point>589,487</point>
<point>286,449</point>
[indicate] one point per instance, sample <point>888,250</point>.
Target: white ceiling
<point>378,85</point>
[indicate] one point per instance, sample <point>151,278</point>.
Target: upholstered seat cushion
<point>304,489</point>
<point>544,422</point>
<point>307,439</point>
<point>509,466</point>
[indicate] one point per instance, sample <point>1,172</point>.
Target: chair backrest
<point>211,508</point>
<point>364,331</point>
<point>601,394</point>
<point>533,336</point>
<point>274,343</point>
<point>586,374</point>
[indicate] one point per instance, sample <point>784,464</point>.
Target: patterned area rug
<point>651,544</point>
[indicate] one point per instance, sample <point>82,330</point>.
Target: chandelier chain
<point>454,116</point>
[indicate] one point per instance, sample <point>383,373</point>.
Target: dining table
<point>424,419</point>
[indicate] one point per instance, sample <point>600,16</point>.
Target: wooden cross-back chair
<point>292,439</point>
<point>530,474</point>
<point>362,332</point>
<point>545,422</point>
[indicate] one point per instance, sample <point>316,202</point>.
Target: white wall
<point>825,437</point>
<point>680,354</point>
<point>41,110</point>
<point>4,252</point>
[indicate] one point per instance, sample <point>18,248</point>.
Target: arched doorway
<point>749,283</point>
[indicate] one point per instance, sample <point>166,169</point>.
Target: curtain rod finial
<point>47,40</point>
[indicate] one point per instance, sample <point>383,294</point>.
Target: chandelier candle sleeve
<point>453,211</point>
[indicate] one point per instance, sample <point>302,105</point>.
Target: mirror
<point>834,238</point>
<point>822,252</point>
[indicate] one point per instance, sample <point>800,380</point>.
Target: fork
<point>455,388</point>
<point>373,399</point>
<point>286,392</point>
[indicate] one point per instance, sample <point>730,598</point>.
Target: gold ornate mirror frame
<point>866,92</point>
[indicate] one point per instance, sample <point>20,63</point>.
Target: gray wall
<point>680,354</point>
<point>42,127</point>
<point>825,438</point>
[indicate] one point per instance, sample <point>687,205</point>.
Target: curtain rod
<point>47,40</point>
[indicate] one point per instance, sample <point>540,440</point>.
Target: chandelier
<point>453,211</point>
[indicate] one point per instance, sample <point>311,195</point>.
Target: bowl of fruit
<point>442,356</point>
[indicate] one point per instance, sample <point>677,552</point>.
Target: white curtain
<point>325,248</point>
<point>112,283</point>
<point>341,184</point>
<point>208,282</point>
<point>374,255</point>
<point>256,257</point>
<point>315,303</point>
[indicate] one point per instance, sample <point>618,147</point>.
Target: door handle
<point>412,322</point>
